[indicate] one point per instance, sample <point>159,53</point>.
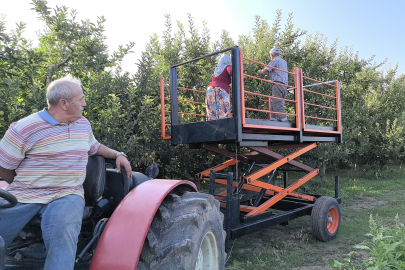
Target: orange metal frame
<point>299,101</point>
<point>163,110</point>
<point>337,108</point>
<point>252,182</point>
<point>269,98</point>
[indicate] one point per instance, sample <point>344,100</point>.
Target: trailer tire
<point>325,218</point>
<point>186,233</point>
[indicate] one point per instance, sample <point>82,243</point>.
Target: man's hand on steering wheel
<point>123,161</point>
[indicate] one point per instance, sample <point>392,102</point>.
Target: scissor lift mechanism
<point>248,201</point>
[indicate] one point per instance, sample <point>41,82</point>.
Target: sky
<point>371,27</point>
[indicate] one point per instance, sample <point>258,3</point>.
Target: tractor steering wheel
<point>10,198</point>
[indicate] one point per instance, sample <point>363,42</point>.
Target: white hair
<point>60,89</point>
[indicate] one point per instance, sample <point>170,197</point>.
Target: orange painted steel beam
<point>278,156</point>
<point>317,93</point>
<point>262,172</point>
<point>302,99</point>
<point>192,114</point>
<point>271,190</point>
<point>269,106</point>
<point>339,127</point>
<point>188,89</point>
<point>163,111</point>
<point>297,112</point>
<point>267,96</point>
<point>264,80</point>
<point>226,164</point>
<point>320,106</point>
<point>268,111</point>
<point>189,101</point>
<point>277,189</point>
<point>285,192</point>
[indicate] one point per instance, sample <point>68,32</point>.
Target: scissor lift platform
<point>314,115</point>
<point>250,199</point>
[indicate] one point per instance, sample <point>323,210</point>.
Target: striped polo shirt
<point>49,158</point>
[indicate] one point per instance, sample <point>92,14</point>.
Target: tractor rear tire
<point>325,218</point>
<point>186,233</point>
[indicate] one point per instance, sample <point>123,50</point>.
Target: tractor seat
<point>94,183</point>
<point>93,186</point>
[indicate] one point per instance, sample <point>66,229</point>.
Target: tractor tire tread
<point>173,239</point>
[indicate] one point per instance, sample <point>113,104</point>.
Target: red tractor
<point>137,223</point>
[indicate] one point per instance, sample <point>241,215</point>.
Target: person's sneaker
<point>285,120</point>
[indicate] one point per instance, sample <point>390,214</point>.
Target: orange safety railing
<point>163,106</point>
<point>267,98</point>
<point>331,98</point>
<point>306,106</point>
<point>163,110</point>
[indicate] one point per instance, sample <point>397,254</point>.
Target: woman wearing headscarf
<point>217,99</point>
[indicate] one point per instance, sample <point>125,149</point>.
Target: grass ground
<point>294,247</point>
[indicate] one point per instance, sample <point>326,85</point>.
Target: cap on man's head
<point>275,51</point>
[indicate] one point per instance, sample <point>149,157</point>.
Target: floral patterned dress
<point>217,98</point>
<point>217,103</point>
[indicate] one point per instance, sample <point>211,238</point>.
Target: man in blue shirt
<point>277,75</point>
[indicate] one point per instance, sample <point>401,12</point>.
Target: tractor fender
<point>122,240</point>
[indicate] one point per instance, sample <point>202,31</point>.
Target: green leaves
<point>386,249</point>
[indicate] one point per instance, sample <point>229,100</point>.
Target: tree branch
<point>48,78</point>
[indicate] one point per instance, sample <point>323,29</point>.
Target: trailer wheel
<point>325,218</point>
<point>186,233</point>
